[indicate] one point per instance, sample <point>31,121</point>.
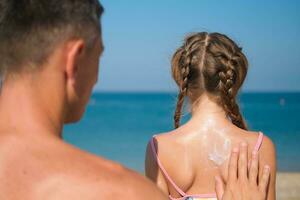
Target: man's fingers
<point>253,170</point>
<point>232,171</point>
<point>219,187</point>
<point>264,180</point>
<point>243,161</point>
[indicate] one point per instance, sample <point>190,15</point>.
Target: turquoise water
<point>119,125</point>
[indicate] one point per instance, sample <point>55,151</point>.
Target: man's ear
<point>75,52</point>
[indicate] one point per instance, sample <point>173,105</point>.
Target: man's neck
<point>29,108</point>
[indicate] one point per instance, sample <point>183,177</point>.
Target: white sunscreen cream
<point>220,153</point>
<point>217,142</point>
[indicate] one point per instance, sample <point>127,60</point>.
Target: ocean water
<point>118,126</point>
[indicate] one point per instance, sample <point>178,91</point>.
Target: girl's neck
<point>206,112</point>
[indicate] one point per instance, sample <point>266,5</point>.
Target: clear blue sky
<point>140,37</point>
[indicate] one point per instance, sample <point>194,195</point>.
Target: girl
<point>209,70</point>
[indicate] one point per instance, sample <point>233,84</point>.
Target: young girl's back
<point>185,161</point>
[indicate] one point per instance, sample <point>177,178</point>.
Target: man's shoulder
<point>87,176</point>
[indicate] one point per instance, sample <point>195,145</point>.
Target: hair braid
<point>227,79</point>
<point>184,61</point>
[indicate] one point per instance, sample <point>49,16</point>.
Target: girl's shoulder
<point>167,143</point>
<point>259,140</point>
<point>166,137</point>
<point>264,145</point>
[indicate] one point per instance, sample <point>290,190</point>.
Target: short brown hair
<point>30,29</point>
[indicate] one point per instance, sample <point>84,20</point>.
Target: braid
<point>185,70</point>
<point>227,78</point>
<point>186,54</point>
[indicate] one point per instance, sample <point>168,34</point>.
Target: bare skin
<point>35,163</point>
<point>242,182</point>
<point>185,152</point>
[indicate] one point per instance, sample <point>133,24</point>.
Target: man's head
<point>64,33</point>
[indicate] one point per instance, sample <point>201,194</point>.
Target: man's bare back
<point>48,168</point>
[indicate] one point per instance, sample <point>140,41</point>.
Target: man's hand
<point>242,182</point>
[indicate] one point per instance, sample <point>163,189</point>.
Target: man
<point>49,58</point>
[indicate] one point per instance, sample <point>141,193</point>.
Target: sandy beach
<point>288,186</point>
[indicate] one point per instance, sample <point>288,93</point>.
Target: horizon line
<point>172,92</point>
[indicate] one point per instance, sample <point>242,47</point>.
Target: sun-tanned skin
<point>184,152</point>
<point>35,163</point>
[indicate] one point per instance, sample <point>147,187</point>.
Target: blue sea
<point>118,126</point>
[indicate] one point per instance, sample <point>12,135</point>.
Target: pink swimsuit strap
<point>182,193</point>
<point>259,141</point>
<point>166,175</point>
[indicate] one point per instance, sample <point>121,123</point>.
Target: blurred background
<point>136,96</point>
